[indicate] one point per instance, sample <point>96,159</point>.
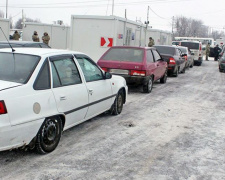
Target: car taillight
<point>105,69</point>
<point>185,58</point>
<point>172,61</point>
<point>3,109</point>
<point>137,73</point>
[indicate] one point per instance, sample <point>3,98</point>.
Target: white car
<point>46,91</point>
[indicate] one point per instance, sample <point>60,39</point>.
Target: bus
<point>204,41</point>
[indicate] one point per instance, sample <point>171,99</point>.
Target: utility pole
<point>23,20</point>
<point>146,22</point>
<point>112,7</point>
<point>6,9</point>
<point>172,26</point>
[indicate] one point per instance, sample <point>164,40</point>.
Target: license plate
<point>119,71</point>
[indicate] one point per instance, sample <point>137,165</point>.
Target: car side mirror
<point>108,75</point>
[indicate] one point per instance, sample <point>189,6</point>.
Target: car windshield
<point>183,50</point>
<point>190,45</point>
<point>165,50</point>
<point>17,67</point>
<point>124,54</point>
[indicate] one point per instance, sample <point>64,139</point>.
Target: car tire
<point>117,106</point>
<point>148,87</point>
<point>176,73</point>
<point>164,78</point>
<point>49,135</point>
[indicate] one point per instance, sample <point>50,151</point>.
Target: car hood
<point>6,85</point>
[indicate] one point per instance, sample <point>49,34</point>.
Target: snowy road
<point>175,132</point>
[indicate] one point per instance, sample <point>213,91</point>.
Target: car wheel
<point>148,87</point>
<point>49,135</point>
<point>117,106</point>
<point>164,78</point>
<point>176,73</point>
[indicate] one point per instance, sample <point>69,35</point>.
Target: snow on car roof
<point>39,51</point>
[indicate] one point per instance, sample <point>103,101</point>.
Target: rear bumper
<point>198,61</point>
<point>17,136</point>
<point>171,69</point>
<point>135,80</point>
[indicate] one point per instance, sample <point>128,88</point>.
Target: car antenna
<point>7,40</point>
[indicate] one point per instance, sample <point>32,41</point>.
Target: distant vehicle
<point>174,57</point>
<point>196,49</point>
<point>46,91</point>
<point>221,63</point>
<point>187,55</point>
<point>23,44</point>
<point>138,65</point>
<point>204,41</point>
<point>177,43</point>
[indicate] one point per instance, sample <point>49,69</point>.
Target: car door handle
<point>62,98</point>
<point>90,91</point>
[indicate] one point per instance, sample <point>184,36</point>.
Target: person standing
<point>207,52</point>
<point>46,38</point>
<point>16,36</point>
<point>216,52</point>
<point>35,37</point>
<point>151,42</point>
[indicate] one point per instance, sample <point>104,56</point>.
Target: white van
<point>196,50</point>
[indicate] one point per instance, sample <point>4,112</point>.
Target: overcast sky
<point>212,13</point>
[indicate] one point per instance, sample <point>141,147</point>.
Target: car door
<point>69,90</point>
<point>151,64</point>
<point>161,65</point>
<point>99,89</point>
<point>181,60</point>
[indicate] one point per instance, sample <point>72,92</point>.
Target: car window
<point>43,79</point>
<point>179,52</point>
<point>124,54</point>
<point>156,55</point>
<point>183,50</point>
<point>64,72</point>
<point>190,45</point>
<point>166,50</point>
<point>149,56</point>
<point>34,45</point>
<point>17,67</point>
<point>90,69</point>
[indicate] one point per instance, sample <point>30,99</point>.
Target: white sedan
<point>46,91</point>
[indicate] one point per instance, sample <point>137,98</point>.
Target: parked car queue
<point>44,91</point>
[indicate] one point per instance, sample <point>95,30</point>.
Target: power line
<point>93,5</point>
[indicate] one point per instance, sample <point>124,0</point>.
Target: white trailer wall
<point>160,37</point>
<point>5,25</point>
<point>87,31</point>
<point>59,34</point>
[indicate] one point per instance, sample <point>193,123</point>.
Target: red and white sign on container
<point>106,42</point>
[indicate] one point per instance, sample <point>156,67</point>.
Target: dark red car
<point>138,65</point>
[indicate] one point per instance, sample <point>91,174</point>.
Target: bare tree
<point>18,24</point>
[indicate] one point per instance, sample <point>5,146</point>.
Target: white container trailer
<point>5,26</point>
<point>59,34</point>
<point>160,37</point>
<point>94,35</point>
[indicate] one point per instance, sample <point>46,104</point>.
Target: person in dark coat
<point>216,52</point>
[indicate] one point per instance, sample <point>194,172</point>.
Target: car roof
<point>171,46</point>
<point>39,51</point>
<point>20,42</point>
<point>133,47</point>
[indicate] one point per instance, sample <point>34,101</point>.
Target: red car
<point>138,65</point>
